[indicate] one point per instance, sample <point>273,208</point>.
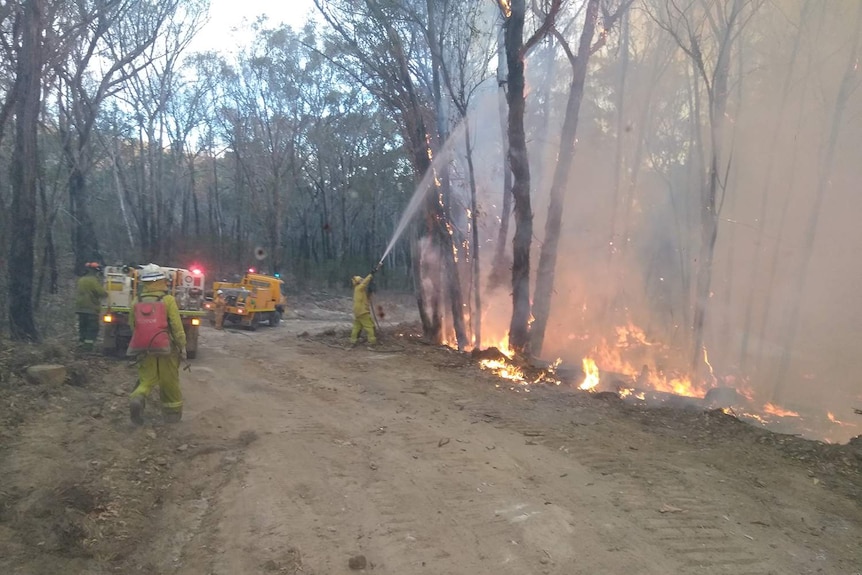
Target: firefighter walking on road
<point>159,341</point>
<point>362,310</point>
<point>88,302</point>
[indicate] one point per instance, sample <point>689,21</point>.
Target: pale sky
<point>230,21</point>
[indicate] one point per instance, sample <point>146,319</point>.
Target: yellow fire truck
<point>257,298</point>
<point>121,283</point>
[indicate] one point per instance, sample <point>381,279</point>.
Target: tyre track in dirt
<point>421,468</point>
<point>708,530</point>
<point>369,474</point>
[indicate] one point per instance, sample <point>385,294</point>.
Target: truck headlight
<point>196,321</point>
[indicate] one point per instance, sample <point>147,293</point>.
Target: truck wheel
<point>191,353</point>
<point>255,321</point>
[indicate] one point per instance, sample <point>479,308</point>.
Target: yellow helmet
<point>356,280</point>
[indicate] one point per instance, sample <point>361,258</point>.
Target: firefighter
<point>361,309</point>
<point>88,301</point>
<point>162,369</point>
<point>218,313</point>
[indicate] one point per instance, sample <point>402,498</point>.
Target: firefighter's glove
<point>183,354</point>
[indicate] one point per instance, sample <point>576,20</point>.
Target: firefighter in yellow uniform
<point>159,370</point>
<point>218,313</point>
<point>88,299</point>
<point>362,310</point>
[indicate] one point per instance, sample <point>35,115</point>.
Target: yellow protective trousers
<point>361,322</point>
<point>219,316</point>
<point>162,371</point>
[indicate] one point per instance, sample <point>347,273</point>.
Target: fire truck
<point>121,283</point>
<point>255,299</point>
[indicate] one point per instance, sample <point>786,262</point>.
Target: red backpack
<point>152,333</point>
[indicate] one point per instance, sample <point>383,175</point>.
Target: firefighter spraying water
<point>362,313</point>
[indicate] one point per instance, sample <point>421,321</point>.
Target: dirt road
<point>295,455</point>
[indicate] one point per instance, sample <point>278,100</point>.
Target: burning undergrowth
<point>645,372</point>
<point>507,366</point>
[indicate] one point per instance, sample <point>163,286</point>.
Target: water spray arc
<point>427,183</point>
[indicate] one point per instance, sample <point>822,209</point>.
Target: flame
<point>609,359</point>
<point>511,372</point>
<point>778,411</point>
<point>837,421</point>
<point>591,374</point>
<point>631,334</point>
<point>709,365</point>
<point>503,369</point>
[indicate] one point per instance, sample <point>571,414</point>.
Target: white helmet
<point>151,273</point>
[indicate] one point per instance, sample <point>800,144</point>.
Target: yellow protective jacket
<point>178,334</point>
<point>360,297</point>
<point>89,295</point>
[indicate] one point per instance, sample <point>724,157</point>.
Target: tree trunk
<point>848,85</point>
<point>763,212</point>
<point>548,253</point>
<point>498,265</point>
<point>519,329</point>
<point>476,316</point>
<point>85,242</point>
<point>709,207</point>
<point>619,160</point>
<point>445,233</point>
<point>24,175</point>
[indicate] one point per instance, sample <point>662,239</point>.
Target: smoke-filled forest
<point>668,188</point>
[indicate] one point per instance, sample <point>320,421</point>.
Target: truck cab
<point>255,299</point>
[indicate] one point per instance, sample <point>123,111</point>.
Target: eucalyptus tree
<point>383,46</point>
<point>153,97</point>
<point>464,44</point>
<point>805,12</point>
<point>113,46</point>
<point>847,87</point>
<point>579,64</point>
<point>514,15</point>
<point>706,32</point>
<point>27,96</point>
<point>351,147</point>
<point>269,75</point>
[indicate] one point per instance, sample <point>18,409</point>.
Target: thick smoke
<point>629,250</point>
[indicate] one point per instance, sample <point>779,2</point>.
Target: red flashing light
<point>251,270</point>
<point>196,271</point>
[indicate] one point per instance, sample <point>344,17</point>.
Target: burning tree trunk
<point>24,173</point>
<point>519,326</point>
<point>548,254</point>
<point>445,230</point>
<point>516,49</point>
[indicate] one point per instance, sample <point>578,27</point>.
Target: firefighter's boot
<point>136,409</point>
<point>172,416</point>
